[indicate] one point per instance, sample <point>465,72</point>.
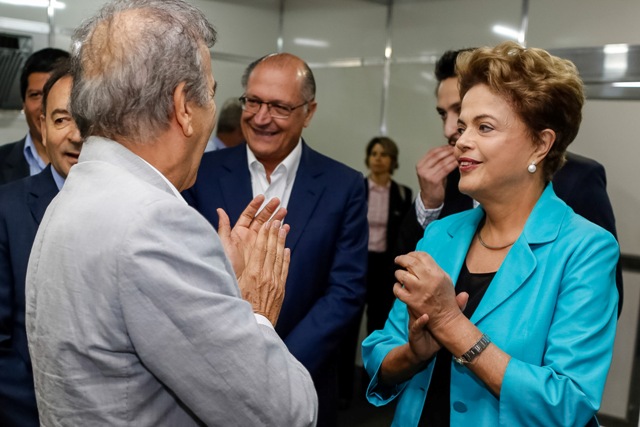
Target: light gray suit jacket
<point>134,316</point>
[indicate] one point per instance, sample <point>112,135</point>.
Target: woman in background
<point>388,204</point>
<point>526,336</point>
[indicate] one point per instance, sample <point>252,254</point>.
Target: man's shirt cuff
<point>426,216</point>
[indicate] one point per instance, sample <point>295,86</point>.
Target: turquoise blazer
<point>551,306</point>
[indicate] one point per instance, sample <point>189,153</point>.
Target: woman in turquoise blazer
<point>537,280</point>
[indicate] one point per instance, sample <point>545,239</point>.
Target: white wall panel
<point>439,25</point>
<point>578,23</point>
<point>347,114</point>
<point>350,29</point>
<point>37,14</point>
<point>242,30</point>
<point>412,119</point>
<point>608,134</point>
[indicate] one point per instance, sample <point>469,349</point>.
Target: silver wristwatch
<point>474,351</point>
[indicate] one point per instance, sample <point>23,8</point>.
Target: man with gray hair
<point>134,315</point>
<point>228,130</point>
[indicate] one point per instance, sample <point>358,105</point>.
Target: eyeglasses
<point>277,111</point>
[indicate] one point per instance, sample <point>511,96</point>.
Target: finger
<point>286,261</point>
<point>249,213</point>
<point>408,280</point>
<point>224,225</point>
<point>399,275</point>
<point>259,250</point>
<point>265,214</point>
<point>282,237</point>
<point>442,166</point>
<point>271,258</point>
<point>449,164</point>
<point>280,214</point>
<point>408,261</point>
<point>400,292</point>
<point>462,299</point>
<point>438,154</point>
<point>420,324</point>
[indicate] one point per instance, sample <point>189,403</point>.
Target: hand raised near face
<point>432,171</point>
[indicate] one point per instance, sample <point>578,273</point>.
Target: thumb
<point>420,324</point>
<point>462,299</point>
<point>224,225</point>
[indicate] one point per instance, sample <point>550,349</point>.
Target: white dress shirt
<point>281,179</point>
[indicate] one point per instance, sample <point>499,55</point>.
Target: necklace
<point>493,248</point>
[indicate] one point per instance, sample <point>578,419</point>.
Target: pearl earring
<point>532,168</point>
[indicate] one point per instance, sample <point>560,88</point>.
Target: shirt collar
<point>59,180</point>
<point>31,154</point>
<point>374,186</point>
<point>290,163</point>
<point>171,186</point>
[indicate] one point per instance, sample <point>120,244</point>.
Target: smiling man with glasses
<point>277,111</point>
<point>326,207</point>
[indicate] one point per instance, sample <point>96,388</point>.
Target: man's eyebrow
<point>60,111</point>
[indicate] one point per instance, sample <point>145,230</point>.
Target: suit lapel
<point>40,191</point>
<point>519,264</point>
<point>15,165</point>
<point>542,227</point>
<point>306,192</point>
<point>235,184</point>
<point>460,233</point>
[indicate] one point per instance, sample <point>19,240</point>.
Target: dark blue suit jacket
<point>581,183</point>
<point>22,206</point>
<point>327,212</point>
<point>13,165</point>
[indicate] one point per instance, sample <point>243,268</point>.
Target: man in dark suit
<point>326,206</point>
<point>22,206</point>
<point>28,156</point>
<point>581,182</point>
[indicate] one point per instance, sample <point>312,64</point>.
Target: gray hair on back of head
<point>129,59</point>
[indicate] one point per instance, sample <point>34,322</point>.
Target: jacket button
<point>459,407</point>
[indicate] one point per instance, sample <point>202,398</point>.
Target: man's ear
<point>43,130</point>
<point>182,110</point>
<point>311,109</point>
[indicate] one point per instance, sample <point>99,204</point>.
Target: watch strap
<point>474,351</point>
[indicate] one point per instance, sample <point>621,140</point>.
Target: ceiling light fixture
<point>506,31</point>
<point>310,42</point>
<point>611,49</point>
<point>625,84</point>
